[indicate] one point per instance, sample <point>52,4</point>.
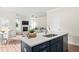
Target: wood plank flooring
<point>73,48</point>
<point>12,45</point>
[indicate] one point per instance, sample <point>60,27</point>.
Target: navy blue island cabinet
<point>59,44</point>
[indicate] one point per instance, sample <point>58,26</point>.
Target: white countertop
<point>39,39</point>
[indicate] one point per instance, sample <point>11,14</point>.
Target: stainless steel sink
<point>50,35</point>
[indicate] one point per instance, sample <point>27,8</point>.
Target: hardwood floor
<point>12,45</point>
<point>73,48</point>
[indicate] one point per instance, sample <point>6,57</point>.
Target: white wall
<point>41,21</point>
<point>11,17</point>
<point>65,20</point>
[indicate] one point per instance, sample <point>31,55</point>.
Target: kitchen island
<point>58,43</point>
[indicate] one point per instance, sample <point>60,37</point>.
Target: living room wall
<point>11,17</point>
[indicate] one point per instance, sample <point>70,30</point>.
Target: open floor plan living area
<point>39,29</point>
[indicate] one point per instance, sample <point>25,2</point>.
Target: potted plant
<point>31,33</point>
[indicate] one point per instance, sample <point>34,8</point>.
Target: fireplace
<point>25,28</point>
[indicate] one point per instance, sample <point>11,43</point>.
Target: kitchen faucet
<point>47,29</point>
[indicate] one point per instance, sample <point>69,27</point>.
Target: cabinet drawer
<point>40,47</point>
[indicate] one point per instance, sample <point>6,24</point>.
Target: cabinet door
<point>60,46</point>
<point>53,48</point>
<point>45,50</point>
<point>40,47</point>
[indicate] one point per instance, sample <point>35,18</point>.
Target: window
<point>18,23</point>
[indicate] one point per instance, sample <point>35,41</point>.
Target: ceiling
<point>28,11</point>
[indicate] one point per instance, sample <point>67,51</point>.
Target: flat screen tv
<point>25,23</point>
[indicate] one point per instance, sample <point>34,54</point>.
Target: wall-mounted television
<point>25,22</point>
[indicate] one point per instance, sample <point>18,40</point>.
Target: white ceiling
<point>28,11</point>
